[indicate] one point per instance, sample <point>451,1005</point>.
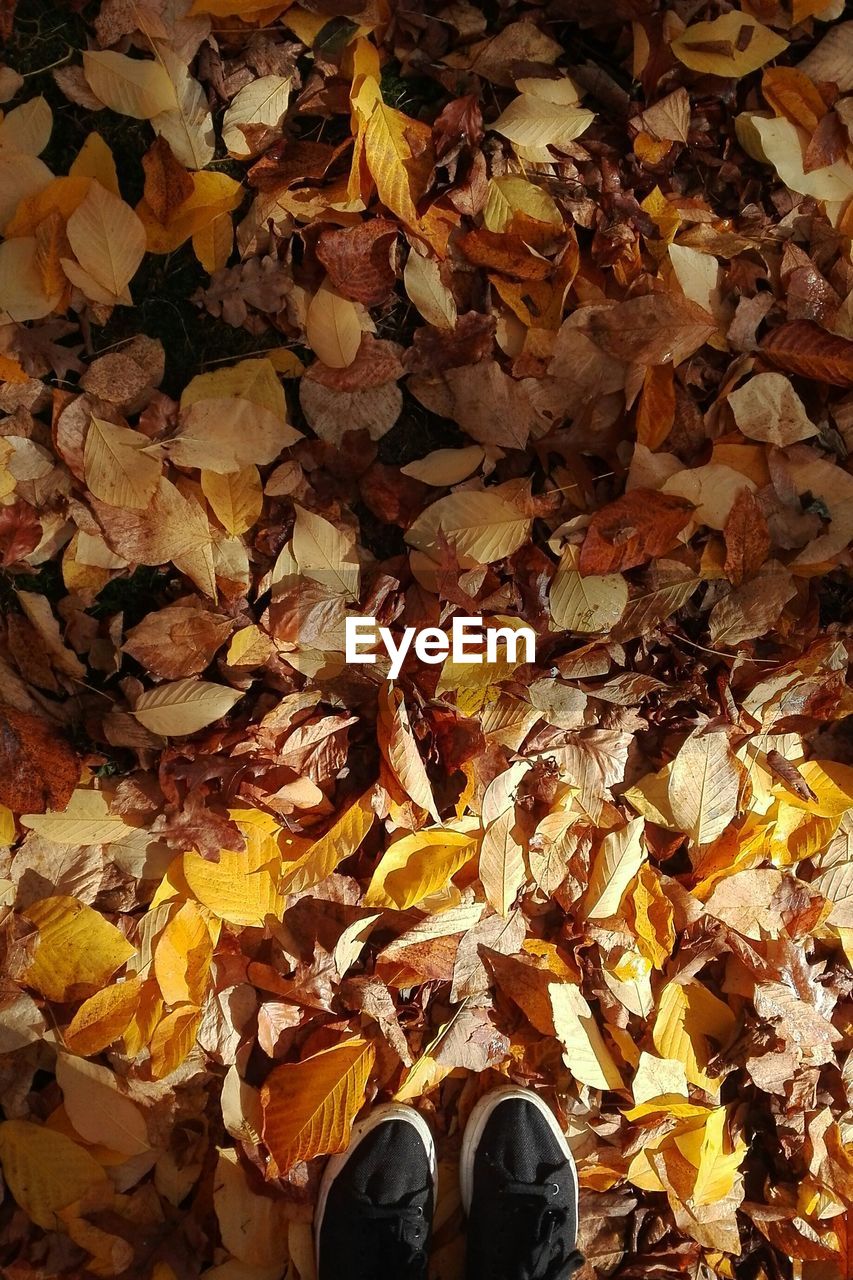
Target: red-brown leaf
<point>802,347</point>
<point>20,532</point>
<point>627,532</point>
<point>358,260</point>
<point>38,769</point>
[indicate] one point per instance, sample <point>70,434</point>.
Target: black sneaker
<point>376,1200</point>
<point>520,1190</point>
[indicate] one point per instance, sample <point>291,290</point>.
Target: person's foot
<point>520,1190</point>
<point>376,1200</point>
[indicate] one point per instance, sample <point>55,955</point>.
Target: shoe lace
<point>543,1230</point>
<point>398,1234</point>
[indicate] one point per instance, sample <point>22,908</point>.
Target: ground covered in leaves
<point>541,313</point>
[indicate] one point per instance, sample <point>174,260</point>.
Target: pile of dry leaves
<point>541,312</point>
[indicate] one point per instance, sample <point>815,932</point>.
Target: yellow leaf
<point>309,1106</point>
<point>732,45</point>
<point>107,238</point>
<point>286,362</point>
<point>400,751</point>
<point>103,1018</point>
<point>618,860</point>
<point>445,467</point>
<point>240,887</point>
<point>148,1013</point>
<point>586,1054</point>
<point>333,328</point>
<point>173,1039</point>
<point>652,917</point>
<point>60,195</point>
<point>687,1015</point>
<point>796,834</point>
<point>183,957</point>
<point>233,418</point>
<point>45,1170</point>
<point>249,647</point>
<point>832,785</point>
<point>501,869</point>
<point>22,178</point>
<point>212,244</point>
<point>531,121</point>
<point>131,86</point>
<point>117,468</point>
<point>511,195</point>
<point>188,125</point>
<point>98,1109</point>
<point>704,785</point>
<point>179,707</point>
<point>213,194</point>
<point>85,820</point>
<point>663,214</point>
<point>237,498</point>
<point>324,554</point>
<point>252,1226</point>
<point>416,865</point>
<point>254,115</point>
<point>22,291</point>
<point>340,842</point>
<point>716,1167</point>
<point>7,825</point>
<point>480,525</point>
<point>77,949</point>
<point>426,289</point>
<point>401,174</point>
<point>26,129</point>
<point>586,603</point>
<point>424,1075</point>
<point>95,160</point>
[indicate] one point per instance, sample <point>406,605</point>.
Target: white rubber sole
<point>477,1122</point>
<point>378,1115</point>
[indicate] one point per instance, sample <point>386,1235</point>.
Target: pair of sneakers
<point>517,1179</point>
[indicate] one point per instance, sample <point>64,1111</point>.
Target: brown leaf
<point>641,524</point>
<point>434,350</point>
<point>38,769</point>
<point>746,536</point>
<point>167,183</point>
<point>177,641</point>
<point>827,144</point>
<point>358,260</point>
<point>802,347</point>
<point>656,329</point>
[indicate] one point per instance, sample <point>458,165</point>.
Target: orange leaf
<point>792,94</point>
<point>173,1039</point>
<point>103,1018</point>
<point>656,406</point>
<point>183,957</point>
<point>641,524</point>
<point>309,1106</point>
